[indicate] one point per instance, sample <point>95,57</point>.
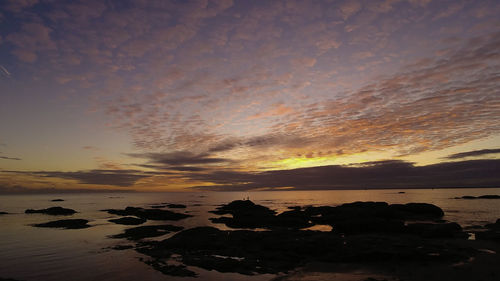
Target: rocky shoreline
<point>363,234</point>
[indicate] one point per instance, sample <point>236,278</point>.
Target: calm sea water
<point>44,254</point>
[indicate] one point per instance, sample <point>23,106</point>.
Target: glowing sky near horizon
<point>157,94</point>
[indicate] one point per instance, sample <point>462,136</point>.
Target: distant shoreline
<point>102,191</point>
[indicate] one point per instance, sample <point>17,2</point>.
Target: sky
<point>249,95</point>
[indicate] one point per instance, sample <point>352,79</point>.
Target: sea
<point>50,254</point>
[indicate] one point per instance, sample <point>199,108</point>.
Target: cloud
<point>179,158</point>
<point>122,178</point>
<point>473,153</point>
<point>17,189</point>
<point>9,158</point>
<point>18,5</point>
<point>384,174</point>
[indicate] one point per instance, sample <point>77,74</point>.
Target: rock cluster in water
<point>55,211</point>
<point>148,214</point>
<point>479,197</point>
<point>141,232</point>
<point>66,224</point>
<point>128,221</point>
<point>361,232</point>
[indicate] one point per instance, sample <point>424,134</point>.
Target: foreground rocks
<point>141,232</point>
<point>362,232</point>
<point>492,232</point>
<point>148,214</point>
<point>54,211</point>
<point>256,252</point>
<point>67,224</point>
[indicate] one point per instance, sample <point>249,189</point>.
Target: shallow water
<point>43,254</point>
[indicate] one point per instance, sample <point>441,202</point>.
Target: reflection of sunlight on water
<point>320,227</point>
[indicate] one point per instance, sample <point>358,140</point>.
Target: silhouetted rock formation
<point>3,213</point>
<point>479,197</point>
<point>55,211</point>
<point>68,224</point>
<point>148,214</point>
<point>493,232</point>
<point>350,218</point>
<point>432,230</point>
<point>140,232</point>
<point>128,221</point>
<point>57,200</point>
<point>250,252</point>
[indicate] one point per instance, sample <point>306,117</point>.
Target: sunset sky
<point>238,95</point>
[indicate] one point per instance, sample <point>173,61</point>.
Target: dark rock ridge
<point>67,224</point>
<point>55,211</point>
<point>128,221</point>
<point>479,197</point>
<point>148,214</point>
<point>141,232</point>
<point>257,252</point>
<point>492,232</point>
<point>3,213</point>
<point>57,200</point>
<point>357,217</point>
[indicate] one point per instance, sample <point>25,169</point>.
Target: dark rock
<point>68,224</point>
<point>488,235</point>
<point>251,252</point>
<point>489,197</point>
<point>8,279</point>
<point>128,221</point>
<point>401,192</point>
<point>479,197</point>
<point>122,247</point>
<point>55,211</point>
<point>368,225</point>
<point>493,232</point>
<point>440,230</point>
<point>172,270</point>
<point>57,200</point>
<point>140,232</point>
<point>3,213</point>
<point>148,214</point>
<point>416,211</point>
<point>176,206</point>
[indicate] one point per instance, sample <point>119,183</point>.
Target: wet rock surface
<point>128,221</point>
<point>137,233</point>
<point>66,224</point>
<point>148,214</point>
<point>54,211</point>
